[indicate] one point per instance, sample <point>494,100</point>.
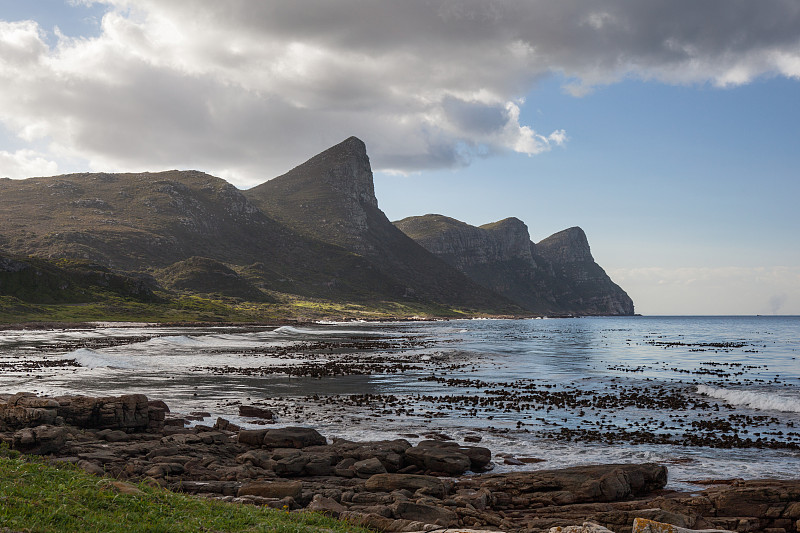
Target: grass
<point>39,497</point>
<point>172,307</point>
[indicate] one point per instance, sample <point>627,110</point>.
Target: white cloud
<point>712,291</point>
<point>249,89</point>
<point>25,163</point>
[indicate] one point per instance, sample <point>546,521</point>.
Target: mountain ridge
<point>558,275</point>
<point>314,232</point>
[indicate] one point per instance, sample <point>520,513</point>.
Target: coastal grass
<point>39,497</point>
<point>172,307</point>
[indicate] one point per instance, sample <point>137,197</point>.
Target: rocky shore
<point>388,485</point>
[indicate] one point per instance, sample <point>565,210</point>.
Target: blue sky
<point>667,131</point>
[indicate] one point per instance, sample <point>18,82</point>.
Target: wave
<point>291,330</point>
<point>182,340</point>
<point>765,401</point>
<point>89,358</point>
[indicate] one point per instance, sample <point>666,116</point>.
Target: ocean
<point>710,397</point>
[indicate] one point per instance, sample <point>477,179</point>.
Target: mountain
<point>556,276</point>
<point>147,222</point>
<point>331,198</point>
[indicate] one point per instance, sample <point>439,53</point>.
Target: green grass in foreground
<point>39,497</point>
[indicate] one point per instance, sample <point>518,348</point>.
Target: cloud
<point>249,89</point>
<point>708,290</point>
<point>25,163</point>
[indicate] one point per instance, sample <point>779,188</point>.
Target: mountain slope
<point>148,221</point>
<point>556,276</point>
<point>331,198</point>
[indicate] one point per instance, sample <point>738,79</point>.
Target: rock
<point>41,440</point>
<point>252,437</point>
<point>123,488</point>
<point>275,489</point>
<point>368,467</point>
<point>643,525</point>
<point>389,453</point>
<point>91,468</point>
<point>448,460</point>
<point>116,435</point>
<point>427,514</point>
<point>587,527</point>
<point>591,483</point>
<point>130,412</point>
<point>327,506</point>
<point>292,437</point>
<point>502,256</point>
<point>390,482</point>
<point>252,411</point>
<point>260,458</point>
<point>345,468</point>
<point>291,466</point>
<point>25,409</point>
<point>226,425</point>
<point>753,498</point>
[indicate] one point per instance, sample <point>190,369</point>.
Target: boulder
<point>293,437</point>
<point>275,489</point>
<point>324,505</point>
<point>252,411</point>
<point>130,412</point>
<point>590,483</point>
<point>430,485</point>
<point>643,525</point>
<point>252,437</point>
<point>25,409</point>
<point>428,514</point>
<point>447,460</point>
<point>479,456</point>
<point>40,440</point>
<point>368,467</point>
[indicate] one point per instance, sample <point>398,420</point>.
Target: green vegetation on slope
<point>38,497</point>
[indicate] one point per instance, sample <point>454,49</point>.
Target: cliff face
<point>555,276</point>
<point>331,198</point>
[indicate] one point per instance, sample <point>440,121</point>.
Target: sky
<point>669,130</point>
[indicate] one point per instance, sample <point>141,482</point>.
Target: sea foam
<point>765,401</point>
<point>88,358</point>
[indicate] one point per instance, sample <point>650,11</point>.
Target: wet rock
<point>226,425</point>
<point>275,489</point>
<point>252,411</point>
<point>390,482</point>
<point>447,460</point>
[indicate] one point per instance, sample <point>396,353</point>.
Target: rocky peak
<point>567,246</point>
<point>347,170</point>
<point>465,246</point>
<point>512,237</point>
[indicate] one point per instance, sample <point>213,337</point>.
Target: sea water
<point>710,397</point>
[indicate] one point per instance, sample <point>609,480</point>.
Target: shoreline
<point>389,485</point>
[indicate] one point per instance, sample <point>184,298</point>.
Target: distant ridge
<point>556,276</point>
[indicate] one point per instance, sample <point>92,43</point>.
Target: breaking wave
<point>88,358</point>
<point>765,401</point>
